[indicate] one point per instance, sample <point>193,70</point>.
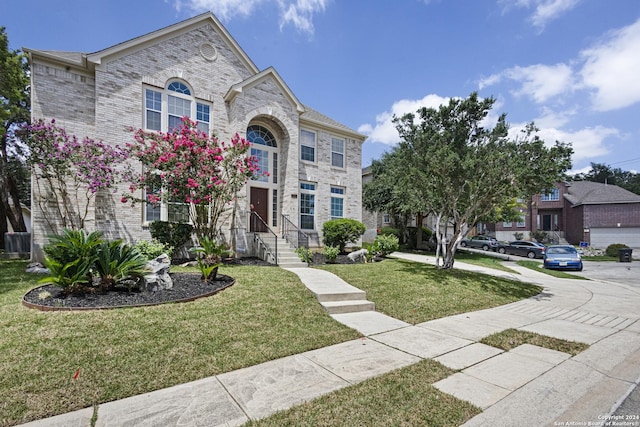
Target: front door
<point>259,198</point>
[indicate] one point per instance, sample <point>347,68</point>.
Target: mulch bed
<point>186,287</point>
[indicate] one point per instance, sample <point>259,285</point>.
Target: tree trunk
<point>419,218</point>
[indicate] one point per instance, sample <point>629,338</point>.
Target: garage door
<point>603,237</point>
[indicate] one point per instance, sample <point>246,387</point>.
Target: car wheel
<point>485,247</point>
<point>463,244</point>
<point>531,255</point>
<point>502,250</point>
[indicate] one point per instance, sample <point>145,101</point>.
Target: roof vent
<point>208,51</point>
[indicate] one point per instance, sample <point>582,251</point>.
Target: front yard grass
<point>416,292</point>
<point>483,260</point>
<point>512,338</point>
<point>267,314</point>
<point>404,397</point>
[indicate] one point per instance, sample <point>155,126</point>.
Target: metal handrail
<point>292,234</point>
<point>256,220</point>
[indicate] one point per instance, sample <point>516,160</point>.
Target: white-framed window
<point>337,152</point>
<point>164,109</point>
<point>507,224</point>
<point>337,202</point>
<point>386,218</point>
<point>307,205</point>
<point>157,210</point>
<point>265,148</point>
<point>520,224</point>
<point>551,196</point>
<point>307,145</point>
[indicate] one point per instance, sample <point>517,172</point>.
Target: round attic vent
<point>208,51</point>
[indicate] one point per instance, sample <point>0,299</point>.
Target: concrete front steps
<point>287,257</point>
<point>333,293</point>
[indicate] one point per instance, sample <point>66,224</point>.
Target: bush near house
<point>390,230</point>
<point>612,250</point>
<point>386,244</point>
<point>339,232</point>
<point>173,234</point>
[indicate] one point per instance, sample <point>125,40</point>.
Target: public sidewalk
<point>528,386</point>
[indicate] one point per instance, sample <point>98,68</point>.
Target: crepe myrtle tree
<point>465,171</point>
<point>69,172</point>
<point>190,166</point>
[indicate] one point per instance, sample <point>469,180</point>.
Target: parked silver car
<point>480,242</point>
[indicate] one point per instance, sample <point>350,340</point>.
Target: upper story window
<point>551,196</point>
<point>164,109</point>
<point>337,152</point>
<point>307,145</point>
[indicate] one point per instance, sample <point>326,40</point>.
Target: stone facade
<point>102,95</point>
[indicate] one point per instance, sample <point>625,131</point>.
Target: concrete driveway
<point>626,273</point>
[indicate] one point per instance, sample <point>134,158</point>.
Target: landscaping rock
<point>159,278</point>
<point>358,256</point>
<point>36,267</point>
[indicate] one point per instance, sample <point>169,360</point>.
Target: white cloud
<point>384,131</point>
<point>611,69</point>
<point>587,143</point>
<point>298,13</point>
<point>544,10</point>
<point>539,82</point>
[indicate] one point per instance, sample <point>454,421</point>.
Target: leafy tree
<point>465,172</point>
<point>605,174</point>
<point>14,111</point>
<point>190,166</point>
<point>69,172</point>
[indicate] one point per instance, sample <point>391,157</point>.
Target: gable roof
<point>259,77</point>
<point>314,117</point>
<point>594,193</point>
<point>89,60</point>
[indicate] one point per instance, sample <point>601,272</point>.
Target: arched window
<point>267,155</point>
<point>165,109</point>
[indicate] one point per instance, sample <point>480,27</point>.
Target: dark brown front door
<point>260,201</point>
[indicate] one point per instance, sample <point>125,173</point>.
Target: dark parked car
<point>562,257</point>
<point>482,242</point>
<point>522,248</point>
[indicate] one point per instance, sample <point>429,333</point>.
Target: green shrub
<point>172,234</point>
<point>305,254</point>
<point>390,230</point>
<point>538,235</point>
<point>153,248</point>
<point>372,250</point>
<point>612,250</point>
<point>339,232</point>
<point>331,253</point>
<point>386,244</point>
<point>518,235</point>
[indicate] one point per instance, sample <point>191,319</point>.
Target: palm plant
<point>117,262</point>
<point>209,255</point>
<point>74,276</point>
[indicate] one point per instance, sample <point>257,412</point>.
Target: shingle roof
<point>595,193</point>
<point>316,117</point>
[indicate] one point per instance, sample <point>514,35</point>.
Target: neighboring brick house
<point>581,211</point>
<point>196,68</point>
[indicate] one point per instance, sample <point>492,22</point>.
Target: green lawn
<point>417,292</point>
<point>266,315</point>
<point>484,261</point>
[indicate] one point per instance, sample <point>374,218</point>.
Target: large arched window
<point>164,109</point>
<point>264,148</point>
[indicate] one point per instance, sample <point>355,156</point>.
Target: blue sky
<point>572,66</point>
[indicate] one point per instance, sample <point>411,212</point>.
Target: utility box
<point>625,254</point>
<point>19,242</point>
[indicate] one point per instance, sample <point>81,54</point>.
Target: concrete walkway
<point>528,386</point>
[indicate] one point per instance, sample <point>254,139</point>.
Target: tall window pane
<point>337,152</point>
<point>178,108</point>
<point>307,145</point>
<point>153,106</point>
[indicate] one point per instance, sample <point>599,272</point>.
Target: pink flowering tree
<point>189,166</point>
<point>69,172</point>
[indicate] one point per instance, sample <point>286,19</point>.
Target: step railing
<point>264,236</point>
<point>292,234</point>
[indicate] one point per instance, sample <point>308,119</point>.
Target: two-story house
<point>580,211</point>
<point>195,68</point>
